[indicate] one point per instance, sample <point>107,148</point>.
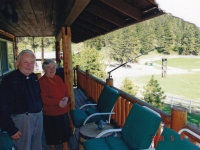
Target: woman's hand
<point>16,136</point>
<point>63,102</point>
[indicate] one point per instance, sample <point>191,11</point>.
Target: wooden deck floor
<point>80,99</point>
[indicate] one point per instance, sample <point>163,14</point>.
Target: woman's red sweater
<point>52,91</point>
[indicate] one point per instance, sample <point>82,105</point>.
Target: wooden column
<point>67,63</point>
<point>39,75</point>
<point>42,53</point>
<point>179,118</point>
<point>15,42</point>
<point>57,45</point>
<point>158,137</point>
<point>109,82</point>
<point>77,77</point>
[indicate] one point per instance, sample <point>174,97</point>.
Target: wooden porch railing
<point>92,86</point>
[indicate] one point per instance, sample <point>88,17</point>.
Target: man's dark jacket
<point>19,94</point>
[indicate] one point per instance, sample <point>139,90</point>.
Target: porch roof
<point>87,18</point>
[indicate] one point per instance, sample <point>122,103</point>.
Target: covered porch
<point>73,22</point>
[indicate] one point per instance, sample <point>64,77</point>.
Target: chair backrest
<point>140,126</point>
<point>107,99</point>
<point>171,140</point>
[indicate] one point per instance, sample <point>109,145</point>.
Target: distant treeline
<point>36,43</point>
<point>173,33</point>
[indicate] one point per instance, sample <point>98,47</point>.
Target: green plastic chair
<point>171,140</point>
<point>102,111</point>
<point>141,124</point>
<point>6,143</point>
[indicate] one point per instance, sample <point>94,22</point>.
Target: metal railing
<point>191,105</point>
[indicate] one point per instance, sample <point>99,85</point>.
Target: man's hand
<point>63,102</point>
<point>16,136</point>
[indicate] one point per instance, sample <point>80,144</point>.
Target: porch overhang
<point>86,18</point>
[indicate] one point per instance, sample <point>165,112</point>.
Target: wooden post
<point>15,49</point>
<point>87,83</point>
<point>109,82</point>
<point>38,75</point>
<point>77,81</point>
<point>67,63</point>
<point>158,137</point>
<point>58,53</point>
<point>164,67</point>
<point>179,117</point>
<point>42,54</point>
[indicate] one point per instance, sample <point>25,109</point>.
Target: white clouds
<point>188,10</point>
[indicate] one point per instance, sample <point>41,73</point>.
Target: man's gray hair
<point>46,62</point>
<point>27,51</point>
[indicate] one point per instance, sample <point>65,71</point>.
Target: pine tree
<point>128,86</point>
<point>153,93</point>
<point>91,60</point>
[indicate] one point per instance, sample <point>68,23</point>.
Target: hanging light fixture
<point>14,16</point>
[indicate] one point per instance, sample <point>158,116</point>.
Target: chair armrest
<point>87,105</point>
<point>189,131</point>
<point>149,149</point>
<point>108,131</point>
<point>96,114</point>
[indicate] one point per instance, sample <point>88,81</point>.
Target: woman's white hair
<point>46,62</point>
<point>27,51</point>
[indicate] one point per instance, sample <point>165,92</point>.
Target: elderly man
<point>21,104</point>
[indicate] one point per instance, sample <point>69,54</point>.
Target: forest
<point>173,33</point>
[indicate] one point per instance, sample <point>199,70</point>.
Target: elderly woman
<point>55,109</point>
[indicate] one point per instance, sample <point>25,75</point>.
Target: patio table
<point>90,131</point>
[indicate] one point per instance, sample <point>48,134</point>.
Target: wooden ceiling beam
<point>146,16</point>
<point>90,26</point>
<point>151,14</point>
<point>125,8</point>
<point>79,36</point>
<point>6,34</point>
<point>152,2</point>
<point>6,26</point>
<point>23,21</point>
<point>96,21</point>
<point>38,11</point>
<point>28,11</point>
<point>100,12</point>
<point>84,30</point>
<point>75,40</point>
<point>78,7</point>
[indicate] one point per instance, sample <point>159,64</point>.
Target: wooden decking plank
<point>79,98</point>
<point>74,140</point>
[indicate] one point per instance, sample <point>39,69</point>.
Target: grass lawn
<point>185,86</point>
<point>191,118</point>
<point>182,63</point>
